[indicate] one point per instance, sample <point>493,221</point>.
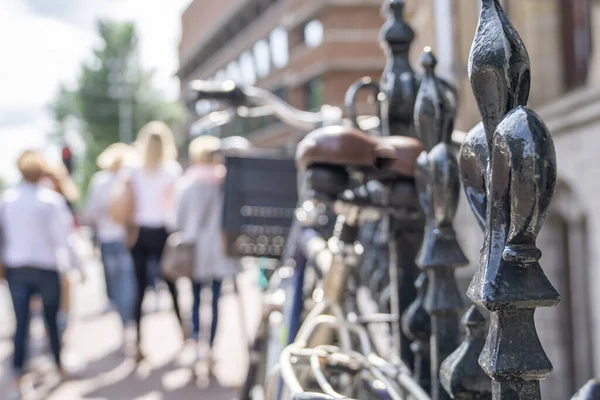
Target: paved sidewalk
<point>170,372</point>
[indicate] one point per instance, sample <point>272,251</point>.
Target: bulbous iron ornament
<point>460,373</point>
<point>416,324</point>
<point>508,169</point>
<point>438,184</point>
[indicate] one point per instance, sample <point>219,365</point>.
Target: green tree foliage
<point>94,104</point>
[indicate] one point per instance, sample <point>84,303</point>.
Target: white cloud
<point>38,53</point>
<point>44,42</point>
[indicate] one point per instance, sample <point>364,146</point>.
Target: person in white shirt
<point>153,184</point>
<point>116,259</point>
<point>58,179</point>
<point>36,225</point>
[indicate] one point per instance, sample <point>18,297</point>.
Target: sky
<point>42,44</point>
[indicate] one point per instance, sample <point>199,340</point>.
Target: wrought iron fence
<point>507,166</point>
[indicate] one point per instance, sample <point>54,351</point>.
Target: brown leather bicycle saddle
<point>351,148</point>
<point>407,150</point>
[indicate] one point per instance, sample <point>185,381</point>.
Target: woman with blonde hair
<point>198,215</point>
<point>36,225</point>
<point>111,236</point>
<point>152,183</point>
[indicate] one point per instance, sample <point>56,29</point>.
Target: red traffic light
<point>66,153</point>
<point>67,159</point>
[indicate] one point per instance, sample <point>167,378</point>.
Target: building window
<point>234,73</point>
<point>279,47</point>
<point>314,94</point>
<point>262,58</point>
<point>248,68</point>
<point>576,41</point>
<point>313,33</point>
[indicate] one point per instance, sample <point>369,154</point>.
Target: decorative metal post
<point>398,81</point>
<point>460,374</point>
<point>438,184</point>
<point>509,173</point>
<point>416,324</point>
<point>399,86</point>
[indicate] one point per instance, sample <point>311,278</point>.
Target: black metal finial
<point>499,68</point>
<point>398,81</point>
<point>396,7</point>
<point>429,104</point>
<point>519,176</point>
<point>416,324</point>
<point>436,175</point>
<point>460,374</point>
<point>396,32</point>
<point>437,179</point>
<point>591,391</point>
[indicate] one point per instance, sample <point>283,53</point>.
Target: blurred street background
<point>101,370</point>
<point>78,76</point>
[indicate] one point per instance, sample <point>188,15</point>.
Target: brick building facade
<point>563,40</point>
<point>307,51</point>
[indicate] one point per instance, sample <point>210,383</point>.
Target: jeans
<point>149,245</point>
<point>23,283</point>
<point>120,279</point>
<point>216,293</point>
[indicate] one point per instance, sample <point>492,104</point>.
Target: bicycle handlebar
<point>237,96</point>
<point>227,92</point>
<point>260,102</point>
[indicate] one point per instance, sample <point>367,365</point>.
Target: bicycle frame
<point>334,283</point>
<point>394,377</point>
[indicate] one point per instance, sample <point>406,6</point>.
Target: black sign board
<point>260,196</point>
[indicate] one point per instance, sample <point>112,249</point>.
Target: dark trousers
<point>149,245</point>
<point>24,283</point>
<point>216,293</point>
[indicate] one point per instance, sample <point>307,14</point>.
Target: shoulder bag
<point>179,254</point>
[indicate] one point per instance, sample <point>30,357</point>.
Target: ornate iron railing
<point>507,166</point>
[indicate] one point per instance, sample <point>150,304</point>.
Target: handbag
<point>179,254</point>
<point>178,257</point>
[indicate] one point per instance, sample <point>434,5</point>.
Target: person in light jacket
<point>36,225</point>
<point>198,217</point>
<point>115,256</point>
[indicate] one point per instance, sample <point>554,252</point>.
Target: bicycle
<point>287,279</point>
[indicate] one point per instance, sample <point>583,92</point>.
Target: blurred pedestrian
<point>152,185</point>
<point>198,215</point>
<point>36,224</point>
<point>57,178</point>
<point>116,258</point>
